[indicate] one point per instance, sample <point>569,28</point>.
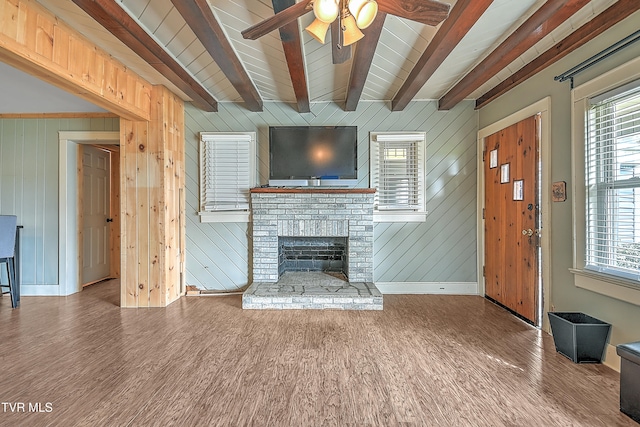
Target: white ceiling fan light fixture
<point>350,31</point>
<point>326,10</point>
<point>318,30</point>
<point>364,12</point>
<point>354,15</point>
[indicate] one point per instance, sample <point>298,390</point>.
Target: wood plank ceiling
<point>196,48</point>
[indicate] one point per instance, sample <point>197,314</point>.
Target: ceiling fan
<point>351,15</point>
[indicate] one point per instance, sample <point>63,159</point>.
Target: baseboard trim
<point>444,288</point>
<point>40,291</point>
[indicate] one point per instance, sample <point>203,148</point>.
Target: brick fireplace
<point>280,213</point>
<point>312,249</point>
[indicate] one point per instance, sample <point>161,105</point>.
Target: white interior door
<point>95,213</point>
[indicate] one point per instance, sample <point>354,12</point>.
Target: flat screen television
<point>313,155</point>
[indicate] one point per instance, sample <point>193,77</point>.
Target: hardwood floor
<point>427,360</point>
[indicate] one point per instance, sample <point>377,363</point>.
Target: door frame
<point>542,107</point>
<point>69,274</point>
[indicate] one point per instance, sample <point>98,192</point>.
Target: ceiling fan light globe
<point>351,32</point>
<point>318,30</point>
<point>366,14</point>
<point>326,10</point>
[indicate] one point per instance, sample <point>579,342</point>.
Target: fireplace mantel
<point>312,190</point>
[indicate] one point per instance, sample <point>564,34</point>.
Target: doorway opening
<point>71,235</point>
<point>514,214</point>
<point>99,212</point>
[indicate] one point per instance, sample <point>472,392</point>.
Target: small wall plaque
<point>504,173</point>
<point>493,159</point>
<point>518,190</point>
<point>559,191</point>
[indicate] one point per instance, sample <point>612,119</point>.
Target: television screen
<point>305,152</point>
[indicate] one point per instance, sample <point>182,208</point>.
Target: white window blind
<point>612,180</point>
<point>227,170</point>
<point>397,171</point>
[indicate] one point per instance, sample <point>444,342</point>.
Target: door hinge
<point>484,271</point>
<point>483,212</point>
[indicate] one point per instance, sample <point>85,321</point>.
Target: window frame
<point>614,286</point>
<point>233,215</point>
<point>400,215</point>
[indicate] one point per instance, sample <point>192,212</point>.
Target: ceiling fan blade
<point>430,12</point>
<point>278,20</point>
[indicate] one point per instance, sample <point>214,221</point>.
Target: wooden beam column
<point>152,188</point>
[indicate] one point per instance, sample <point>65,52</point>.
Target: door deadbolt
<point>111,220</point>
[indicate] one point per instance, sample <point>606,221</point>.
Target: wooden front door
<point>511,165</point>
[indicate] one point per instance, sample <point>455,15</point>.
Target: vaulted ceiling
<point>197,49</point>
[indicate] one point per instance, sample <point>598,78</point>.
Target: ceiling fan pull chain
<point>341,32</point>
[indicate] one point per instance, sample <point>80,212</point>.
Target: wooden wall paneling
<point>35,41</point>
<point>177,178</point>
<point>143,213</point>
<point>153,175</point>
<point>180,142</point>
<point>152,242</point>
<point>170,124</point>
<point>170,187</point>
<point>128,213</point>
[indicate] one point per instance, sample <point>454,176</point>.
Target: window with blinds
<point>227,170</point>
<point>397,171</point>
<point>612,178</point>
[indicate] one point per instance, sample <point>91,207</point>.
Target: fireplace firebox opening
<point>327,254</point>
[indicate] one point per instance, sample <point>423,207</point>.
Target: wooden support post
<point>153,179</point>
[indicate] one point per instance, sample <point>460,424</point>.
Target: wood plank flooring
<point>426,360</point>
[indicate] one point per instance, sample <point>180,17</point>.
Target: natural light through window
<point>612,177</point>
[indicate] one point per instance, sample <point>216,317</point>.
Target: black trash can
<point>630,379</point>
<point>578,336</point>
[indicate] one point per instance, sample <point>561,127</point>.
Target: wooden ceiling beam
<point>547,18</point>
<point>599,24</point>
<point>428,12</point>
<point>37,42</point>
<point>278,20</point>
<point>463,16</point>
<point>292,46</point>
<point>112,17</point>
<point>200,18</point>
<point>365,50</point>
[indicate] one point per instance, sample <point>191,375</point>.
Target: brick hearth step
<point>312,290</point>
